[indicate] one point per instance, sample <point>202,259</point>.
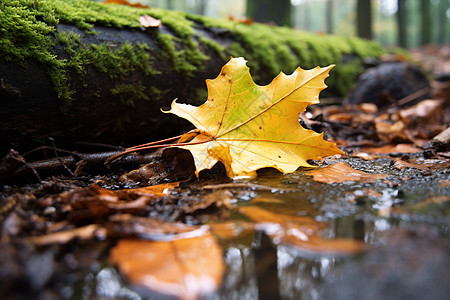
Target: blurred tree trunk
<point>401,23</point>
<point>170,4</point>
<point>329,16</point>
<point>364,19</point>
<point>278,12</point>
<point>425,32</point>
<point>202,7</point>
<point>443,21</point>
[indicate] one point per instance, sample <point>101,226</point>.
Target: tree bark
<point>364,19</point>
<point>269,11</point>
<point>425,28</point>
<point>330,16</point>
<point>401,23</point>
<point>118,77</point>
<point>443,21</point>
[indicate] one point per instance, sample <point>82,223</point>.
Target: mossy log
<point>76,70</point>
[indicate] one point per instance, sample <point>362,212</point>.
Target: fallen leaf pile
<point>365,125</point>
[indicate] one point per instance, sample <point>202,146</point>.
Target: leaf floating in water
<point>302,232</point>
<point>342,172</point>
<point>184,268</point>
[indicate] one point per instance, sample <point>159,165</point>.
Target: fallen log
<point>76,70</point>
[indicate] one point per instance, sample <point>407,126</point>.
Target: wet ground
<point>402,220</point>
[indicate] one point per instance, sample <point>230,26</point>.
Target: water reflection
<point>267,271</point>
<point>259,269</point>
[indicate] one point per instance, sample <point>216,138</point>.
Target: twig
<point>59,159</point>
<point>413,96</point>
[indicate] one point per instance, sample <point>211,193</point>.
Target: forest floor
<point>373,224</point>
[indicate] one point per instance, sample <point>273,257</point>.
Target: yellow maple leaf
<point>248,127</point>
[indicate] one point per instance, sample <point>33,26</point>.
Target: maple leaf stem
<point>152,145</point>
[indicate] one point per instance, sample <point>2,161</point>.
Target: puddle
<point>389,216</point>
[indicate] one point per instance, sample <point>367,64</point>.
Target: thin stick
<point>115,157</point>
<point>413,96</point>
<point>153,143</point>
<point>60,160</point>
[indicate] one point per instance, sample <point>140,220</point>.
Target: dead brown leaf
<point>391,132</point>
<point>341,172</point>
<point>88,232</point>
<point>401,164</point>
<point>158,190</point>
<point>392,148</point>
<point>184,268</point>
<point>126,225</point>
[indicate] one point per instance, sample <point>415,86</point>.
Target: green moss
<point>28,32</point>
<point>130,92</point>
<point>213,46</point>
<point>275,49</point>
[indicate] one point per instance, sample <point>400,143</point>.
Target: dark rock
<point>388,83</point>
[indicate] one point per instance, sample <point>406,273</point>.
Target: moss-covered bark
<point>93,70</point>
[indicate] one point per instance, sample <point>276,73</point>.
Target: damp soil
<point>402,220</point>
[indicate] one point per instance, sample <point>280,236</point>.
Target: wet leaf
<point>392,148</point>
<point>231,229</point>
<point>341,172</point>
<point>126,225</point>
<point>299,231</point>
<point>88,232</point>
<point>401,164</point>
<point>100,201</point>
<point>154,190</point>
<point>248,127</point>
<point>184,268</point>
<point>423,120</point>
<point>148,21</point>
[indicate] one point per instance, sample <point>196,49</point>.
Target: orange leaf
<point>185,268</point>
<point>243,20</point>
<point>341,172</point>
<point>154,190</point>
<point>88,232</point>
<point>397,148</point>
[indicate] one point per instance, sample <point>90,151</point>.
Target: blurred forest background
<point>404,23</point>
